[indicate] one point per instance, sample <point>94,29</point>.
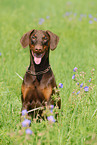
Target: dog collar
<point>40,72</point>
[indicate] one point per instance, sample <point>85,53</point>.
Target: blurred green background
<point>75,22</point>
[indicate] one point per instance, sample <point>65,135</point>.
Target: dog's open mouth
<point>37,57</point>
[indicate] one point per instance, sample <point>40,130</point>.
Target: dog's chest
<point>36,90</point>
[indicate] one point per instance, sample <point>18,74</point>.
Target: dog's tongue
<point>37,58</point>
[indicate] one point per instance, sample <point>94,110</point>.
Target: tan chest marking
<point>25,91</point>
<point>47,92</point>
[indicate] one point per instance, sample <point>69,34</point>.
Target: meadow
<point>75,22</point>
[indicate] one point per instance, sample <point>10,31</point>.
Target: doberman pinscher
<point>39,82</point>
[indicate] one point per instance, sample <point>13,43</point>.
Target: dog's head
<point>39,42</point>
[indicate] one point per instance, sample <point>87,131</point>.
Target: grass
<point>77,47</point>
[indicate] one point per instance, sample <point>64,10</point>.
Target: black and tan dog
<point>39,82</point>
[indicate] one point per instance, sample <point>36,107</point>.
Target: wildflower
<point>95,19</point>
<point>93,69</point>
<point>51,118</point>
<point>41,21</point>
<point>75,69</point>
<point>60,85</point>
<point>28,131</point>
<point>77,83</point>
<point>47,17</point>
<point>51,111</point>
<point>81,15</point>
<point>80,19</point>
<point>73,76</point>
<point>26,123</point>
<point>81,85</point>
<point>90,16</point>
<point>67,13</point>
<point>0,53</point>
<point>86,89</point>
<point>24,112</point>
<point>78,92</point>
<point>90,80</point>
<point>51,106</point>
<point>90,21</point>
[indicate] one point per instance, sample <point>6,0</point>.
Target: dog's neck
<point>42,66</point>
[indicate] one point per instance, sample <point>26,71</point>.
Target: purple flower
<point>41,21</point>
<point>77,83</point>
<point>90,16</point>
<point>75,69</point>
<point>81,15</point>
<point>51,106</point>
<point>95,19</point>
<point>67,13</point>
<point>90,80</point>
<point>81,85</point>
<point>90,21</point>
<point>28,131</point>
<point>51,118</point>
<point>51,110</point>
<point>26,123</point>
<point>24,112</point>
<point>47,17</point>
<point>0,53</point>
<point>78,92</point>
<point>60,85</point>
<point>73,76</point>
<point>86,89</point>
<point>80,19</point>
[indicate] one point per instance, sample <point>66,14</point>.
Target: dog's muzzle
<point>37,57</point>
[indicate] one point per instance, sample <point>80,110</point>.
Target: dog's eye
<point>33,37</point>
<point>45,38</point>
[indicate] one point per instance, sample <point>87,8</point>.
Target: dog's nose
<point>38,48</point>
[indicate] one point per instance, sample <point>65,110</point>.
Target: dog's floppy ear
<point>25,39</point>
<point>54,39</point>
